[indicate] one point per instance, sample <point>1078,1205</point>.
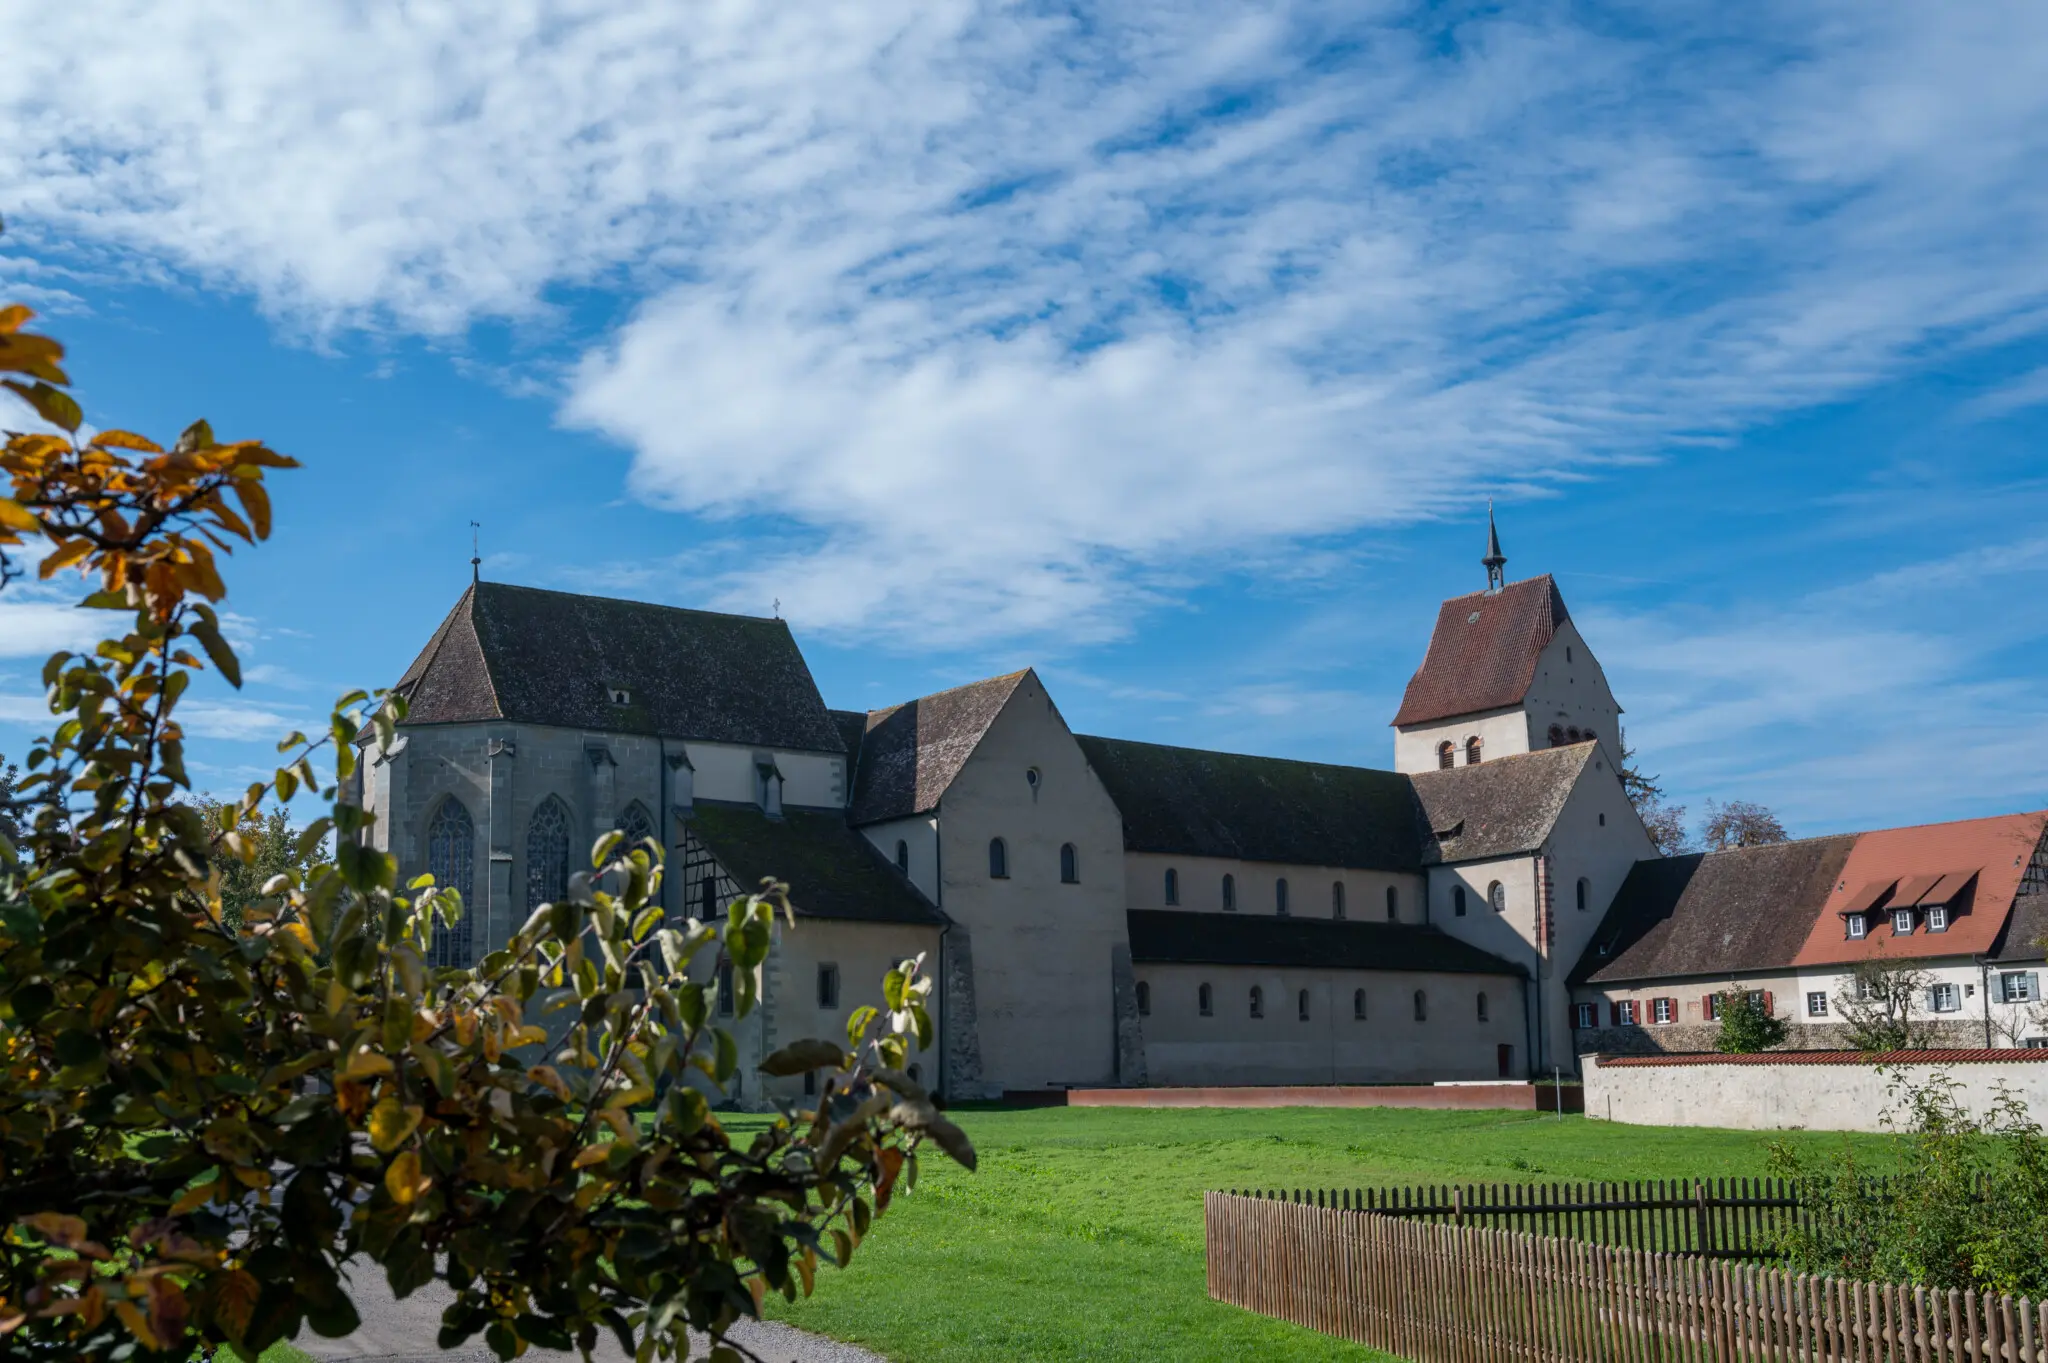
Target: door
<point>1506,1055</point>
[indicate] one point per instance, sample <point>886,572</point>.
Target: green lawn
<point>1081,1236</point>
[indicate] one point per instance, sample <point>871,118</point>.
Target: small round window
<point>1031,777</point>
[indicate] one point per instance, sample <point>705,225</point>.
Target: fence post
<point>1699,1202</point>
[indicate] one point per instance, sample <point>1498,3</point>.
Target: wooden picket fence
<point>1442,1293</point>
<point>1721,1218</point>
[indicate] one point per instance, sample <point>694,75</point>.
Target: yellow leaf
<point>589,1155</point>
<point>547,1077</point>
<point>299,933</point>
<point>235,1301</point>
<point>66,554</point>
<point>137,1323</point>
<point>254,1178</point>
<point>126,440</point>
<point>366,1064</point>
<point>57,1228</point>
<point>390,1124</point>
<point>194,1196</point>
<point>402,1179</point>
<point>15,516</point>
<point>12,316</point>
<point>621,1124</point>
<point>527,1035</point>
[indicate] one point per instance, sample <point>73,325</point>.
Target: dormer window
<point>619,695</point>
<point>1858,926</point>
<point>1937,918</point>
<point>1902,922</point>
<point>768,789</point>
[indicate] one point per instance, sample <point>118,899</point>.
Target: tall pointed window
<point>1446,754</point>
<point>1421,1006</point>
<point>1229,891</point>
<point>903,856</point>
<point>1144,999</point>
<point>451,857</point>
<point>1458,901</point>
<point>1070,865</point>
<point>1585,894</point>
<point>1258,1002</point>
<point>1172,886</point>
<point>1358,1004</point>
<point>1301,1005</point>
<point>1497,896</point>
<point>998,859</point>
<point>1557,735</point>
<point>638,826</point>
<point>1205,1001</point>
<point>1393,905</point>
<point>1336,899</point>
<point>1472,751</point>
<point>1280,896</point>
<point>547,854</point>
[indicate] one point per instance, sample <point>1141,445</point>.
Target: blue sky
<point>1173,349</point>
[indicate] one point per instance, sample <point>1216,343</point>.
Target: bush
<point>1960,1202</point>
<point>204,1114</point>
<point>1746,1026</point>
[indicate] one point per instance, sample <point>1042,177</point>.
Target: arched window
<point>451,856</point>
<point>727,991</point>
<point>1336,899</point>
<point>1421,1006</point>
<point>1229,891</point>
<point>903,856</point>
<point>1482,1006</point>
<point>1572,734</point>
<point>1458,900</point>
<point>1557,735</point>
<point>638,826</point>
<point>547,854</point>
<point>1205,1001</point>
<point>828,987</point>
<point>1258,1002</point>
<point>1144,999</point>
<point>1358,1004</point>
<point>1280,896</point>
<point>1393,905</point>
<point>1301,1005</point>
<point>1472,751</point>
<point>1172,886</point>
<point>998,860</point>
<point>1070,865</point>
<point>1585,893</point>
<point>1497,896</point>
<point>1446,754</point>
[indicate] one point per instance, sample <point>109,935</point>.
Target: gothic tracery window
<point>451,857</point>
<point>547,854</point>
<point>638,826</point>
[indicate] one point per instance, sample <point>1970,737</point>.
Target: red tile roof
<point>1950,1057</point>
<point>1482,655</point>
<point>1909,863</point>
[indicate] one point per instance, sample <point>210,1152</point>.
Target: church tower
<point>1506,672</point>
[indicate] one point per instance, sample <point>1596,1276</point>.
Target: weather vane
<point>476,562</point>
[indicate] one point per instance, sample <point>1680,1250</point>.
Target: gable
<point>1483,652</point>
<point>911,753</point>
<point>1499,808</point>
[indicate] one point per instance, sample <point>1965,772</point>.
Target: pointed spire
<point>476,562</point>
<point>1495,562</point>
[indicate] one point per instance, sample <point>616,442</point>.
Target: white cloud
<point>1007,320</point>
<point>199,719</point>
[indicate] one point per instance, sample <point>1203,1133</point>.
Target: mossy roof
<point>911,752</point>
<point>831,870</point>
<point>1168,937</point>
<point>1501,807</point>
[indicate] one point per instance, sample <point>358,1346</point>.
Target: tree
<point>1740,823</point>
<point>200,1122</point>
<point>274,849</point>
<point>10,805</point>
<point>1665,823</point>
<point>1746,1025</point>
<point>1877,1006</point>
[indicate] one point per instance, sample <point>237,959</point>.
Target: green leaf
<point>207,630</point>
<point>953,1141</point>
<point>53,405</point>
<point>799,1057</point>
<point>31,1001</point>
<point>727,1053</point>
<point>892,989</point>
<point>857,1025</point>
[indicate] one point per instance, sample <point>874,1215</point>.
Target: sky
<point>1173,349</point>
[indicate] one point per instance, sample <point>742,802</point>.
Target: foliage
<point>1746,1026</point>
<point>1666,823</point>
<point>273,848</point>
<point>1876,1006</point>
<point>10,806</point>
<point>1740,823</point>
<point>1955,1202</point>
<point>199,1123</point>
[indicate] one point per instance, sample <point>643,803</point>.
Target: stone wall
<point>1831,1091</point>
<point>1693,1038</point>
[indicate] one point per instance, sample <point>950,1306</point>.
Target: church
<point>1096,911</point>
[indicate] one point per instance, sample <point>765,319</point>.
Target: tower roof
<point>1495,562</point>
<point>1482,654</point>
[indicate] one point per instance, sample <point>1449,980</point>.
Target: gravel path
<point>403,1332</point>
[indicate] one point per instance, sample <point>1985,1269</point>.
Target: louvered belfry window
<point>547,854</point>
<point>451,857</point>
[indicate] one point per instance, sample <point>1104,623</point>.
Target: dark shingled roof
<point>1500,807</point>
<point>1714,913</point>
<point>1164,937</point>
<point>2026,930</point>
<point>852,726</point>
<point>1482,655</point>
<point>912,752</point>
<point>542,657</point>
<point>1212,804</point>
<point>831,870</point>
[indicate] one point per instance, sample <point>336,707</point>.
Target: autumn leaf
<point>391,1124</point>
<point>402,1179</point>
<point>234,1301</point>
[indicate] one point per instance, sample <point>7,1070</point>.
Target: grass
<point>1081,1236</point>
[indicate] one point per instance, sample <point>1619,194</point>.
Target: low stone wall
<point>1790,1090</point>
<point>1692,1038</point>
<point>1524,1097</point>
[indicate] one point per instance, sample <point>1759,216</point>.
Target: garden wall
<point>1524,1097</point>
<point>1777,1090</point>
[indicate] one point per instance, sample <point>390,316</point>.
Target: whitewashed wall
<point>1767,1096</point>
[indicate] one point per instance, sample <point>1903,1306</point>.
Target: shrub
<point>1746,1026</point>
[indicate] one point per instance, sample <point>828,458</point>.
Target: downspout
<point>945,1004</point>
<point>1984,989</point>
<point>1543,927</point>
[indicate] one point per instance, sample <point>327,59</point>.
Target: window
<point>1585,893</point>
<point>1458,900</point>
<point>725,988</point>
<point>1205,1001</point>
<point>1258,1002</point>
<point>1588,1015</point>
<point>1937,918</point>
<point>1760,1000</point>
<point>1902,922</point>
<point>1472,751</point>
<point>1482,1006</point>
<point>828,986</point>
<point>1664,1010</point>
<point>1497,895</point>
<point>1421,1006</point>
<point>1280,896</point>
<point>770,789</point>
<point>1070,865</point>
<point>998,860</point>
<point>638,826</point>
<point>1301,1005</point>
<point>1446,755</point>
<point>2015,986</point>
<point>619,695</point>
<point>1622,1013</point>
<point>1858,926</point>
<point>1172,886</point>
<point>547,854</point>
<point>1603,819</point>
<point>451,857</point>
<point>1712,1007</point>
<point>2035,1043</point>
<point>1358,1004</point>
<point>1144,999</point>
<point>1229,891</point>
<point>903,856</point>
<point>1572,734</point>
<point>1336,899</point>
<point>1816,1003</point>
<point>1556,735</point>
<point>1032,778</point>
<point>1393,905</point>
<point>810,1083</point>
<point>1944,998</point>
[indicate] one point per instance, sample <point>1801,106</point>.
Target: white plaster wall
<point>1044,1008</point>
<point>1501,733</point>
<point>1570,688</point>
<point>920,835</point>
<point>1308,887</point>
<point>1598,837</point>
<point>1510,934</point>
<point>864,952</point>
<point>1977,991</point>
<point>1785,988</point>
<point>1333,1047</point>
<point>726,771</point>
<point>1766,1097</point>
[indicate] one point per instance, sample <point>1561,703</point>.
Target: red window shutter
<point>1769,1011</point>
<point>1614,1015</point>
<point>1707,1007</point>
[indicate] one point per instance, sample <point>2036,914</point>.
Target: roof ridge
<point>632,601</point>
<point>1012,677</point>
<point>1247,756</point>
<point>1505,587</point>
